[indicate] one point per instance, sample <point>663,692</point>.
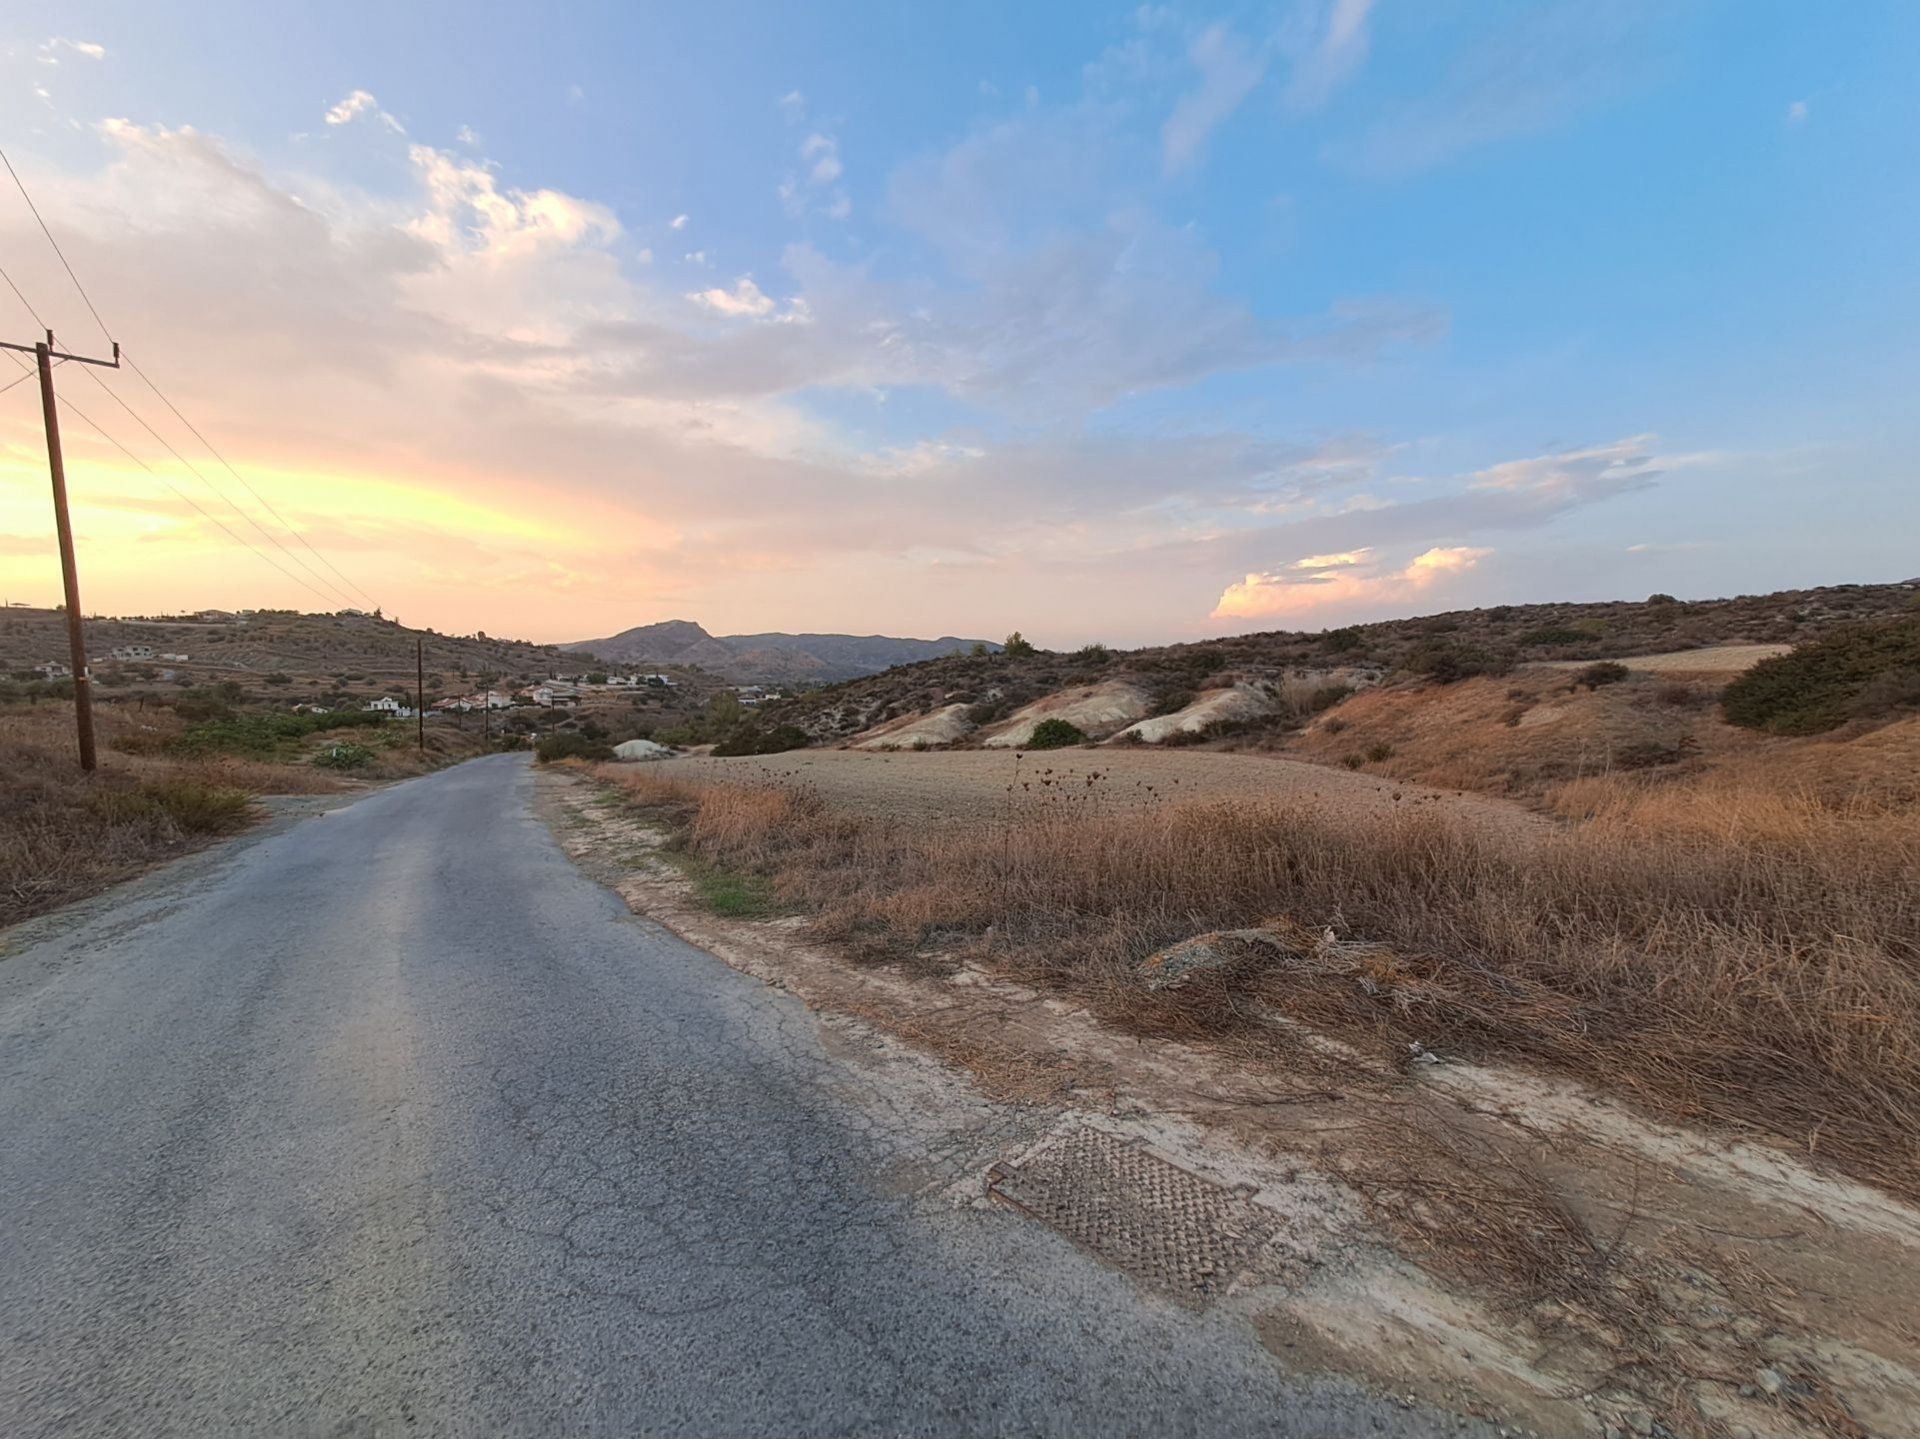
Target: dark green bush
<point>571,746</point>
<point>1055,734</point>
<point>1447,663</point>
<point>264,735</point>
<point>1866,671</point>
<point>1606,672</point>
<point>1555,635</point>
<point>344,756</point>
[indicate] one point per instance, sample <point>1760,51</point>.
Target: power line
<point>340,596</point>
<point>22,185</point>
<point>145,379</point>
<point>134,365</point>
<point>25,301</point>
<point>231,533</point>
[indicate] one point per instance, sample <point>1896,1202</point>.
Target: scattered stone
<point>1217,950</point>
<point>1770,1380</point>
<point>642,749</point>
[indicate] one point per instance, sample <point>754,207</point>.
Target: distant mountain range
<point>770,658</point>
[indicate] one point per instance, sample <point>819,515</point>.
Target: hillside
<point>1273,682</point>
<point>358,647</point>
<point>768,658</point>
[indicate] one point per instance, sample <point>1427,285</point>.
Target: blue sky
<point>1101,322</point>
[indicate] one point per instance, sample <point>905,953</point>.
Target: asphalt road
<point>388,1120</point>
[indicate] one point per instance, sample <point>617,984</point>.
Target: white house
<point>175,659</point>
<point>390,707</point>
<point>54,670</point>
<point>132,652</point>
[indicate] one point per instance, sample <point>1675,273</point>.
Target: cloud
<point>1622,465</point>
<point>1797,113</point>
<point>1333,561</point>
<point>87,49</point>
<point>1351,585</point>
<point>1526,76</point>
<point>678,222</point>
<point>508,358</point>
<point>822,152</point>
<point>793,107</point>
<point>358,103</point>
<point>1229,72</point>
<point>467,136</point>
<point>744,300</point>
<point>813,188</point>
<point>1334,51</point>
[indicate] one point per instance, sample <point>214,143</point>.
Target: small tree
<point>1056,733</point>
<point>1017,644</point>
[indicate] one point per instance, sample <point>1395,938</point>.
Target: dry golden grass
<point>1726,955</point>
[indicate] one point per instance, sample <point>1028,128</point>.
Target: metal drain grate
<point>1159,1222</point>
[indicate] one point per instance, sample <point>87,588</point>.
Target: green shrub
<point>344,756</point>
<point>1447,663</point>
<point>1354,761</point>
<point>1555,635</point>
<point>1342,641</point>
<point>1055,733</point>
<point>571,746</point>
<point>1865,671</point>
<point>1379,753</point>
<point>1606,672</point>
<point>262,736</point>
<point>1016,645</point>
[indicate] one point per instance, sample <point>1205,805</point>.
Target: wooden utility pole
<point>44,353</point>
<point>420,689</point>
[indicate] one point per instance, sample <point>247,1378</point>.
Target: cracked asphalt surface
<point>389,1120</point>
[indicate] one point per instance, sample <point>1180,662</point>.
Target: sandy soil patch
<point>965,786</point>
<point>1708,660</point>
<point>1098,709</point>
<point>1215,706</point>
<point>942,726</point>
